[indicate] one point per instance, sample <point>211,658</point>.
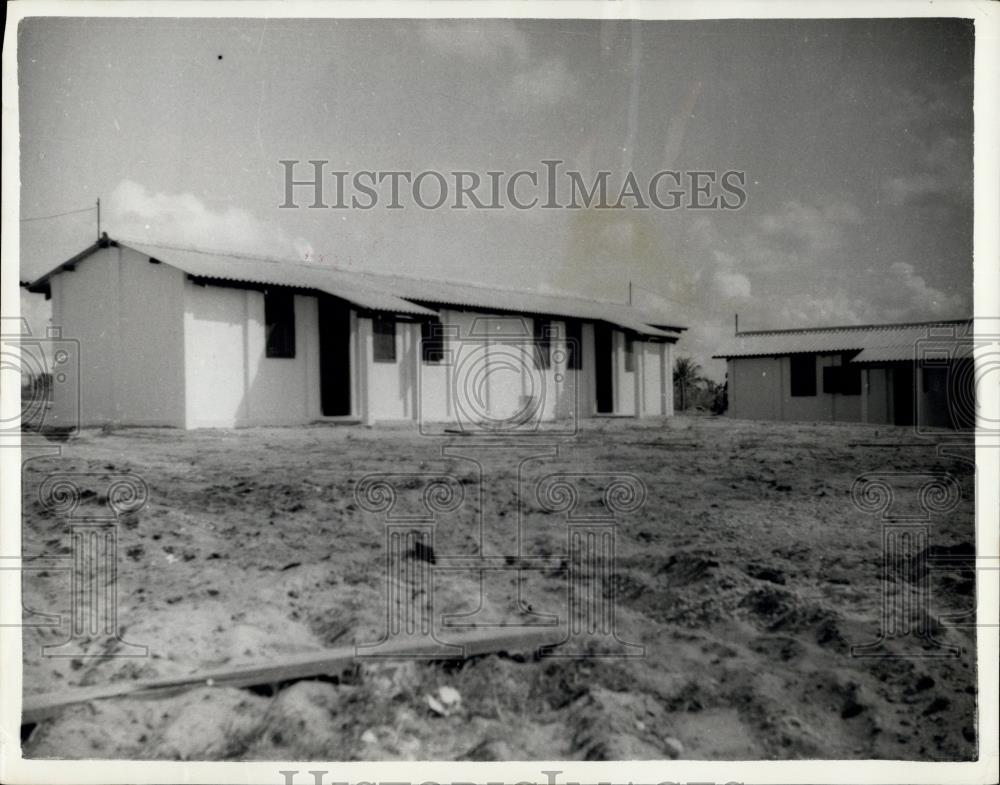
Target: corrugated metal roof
<point>876,343</point>
<point>929,349</point>
<point>246,269</point>
<point>396,293</point>
<point>518,301</point>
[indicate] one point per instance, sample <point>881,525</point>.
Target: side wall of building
<point>126,314</point>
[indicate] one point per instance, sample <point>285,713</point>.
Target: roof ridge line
<point>370,273</point>
<point>488,287</point>
<point>235,255</point>
<point>889,326</point>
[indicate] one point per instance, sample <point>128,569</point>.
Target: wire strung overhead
<point>58,215</point>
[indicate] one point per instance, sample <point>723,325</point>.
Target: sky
<point>855,137</point>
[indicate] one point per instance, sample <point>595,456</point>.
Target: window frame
<point>629,353</point>
<point>432,350</point>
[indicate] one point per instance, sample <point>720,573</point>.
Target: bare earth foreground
<point>747,575</point>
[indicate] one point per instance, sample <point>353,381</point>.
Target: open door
<point>334,357</point>
<point>902,395</point>
<point>604,368</point>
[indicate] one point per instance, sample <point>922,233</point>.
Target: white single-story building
<point>186,338</point>
<point>917,373</point>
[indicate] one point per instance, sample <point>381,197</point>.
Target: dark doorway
<point>334,357</point>
<point>902,395</point>
<point>604,370</point>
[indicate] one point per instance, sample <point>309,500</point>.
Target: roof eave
<point>41,284</point>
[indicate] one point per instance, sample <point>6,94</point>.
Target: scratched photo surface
<point>494,390</point>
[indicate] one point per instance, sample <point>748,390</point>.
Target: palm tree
<point>686,373</point>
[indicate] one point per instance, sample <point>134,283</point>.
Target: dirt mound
<point>619,726</point>
<point>686,567</point>
<point>211,725</point>
<point>776,610</point>
<point>310,720</point>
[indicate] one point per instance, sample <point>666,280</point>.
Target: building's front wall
<point>131,356</point>
<point>760,389</point>
<point>229,380</point>
<point>489,372</point>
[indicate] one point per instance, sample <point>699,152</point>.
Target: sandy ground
<point>747,575</point>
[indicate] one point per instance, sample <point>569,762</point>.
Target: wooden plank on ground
<point>330,662</point>
<point>892,444</point>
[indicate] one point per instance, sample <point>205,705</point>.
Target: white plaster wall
<point>667,380</point>
<point>81,303</point>
<point>625,381</point>
<point>392,384</point>
<point>410,373</point>
<point>126,315</point>
<point>215,360</point>
<point>553,378</point>
<point>503,344</point>
<point>229,380</point>
<point>569,393</point>
<point>157,349</point>
<point>433,379</point>
<point>651,377</point>
<point>149,368</point>
<point>510,367</point>
<point>280,390</point>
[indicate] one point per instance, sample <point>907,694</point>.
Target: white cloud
<point>818,310</point>
<point>732,285</point>
<point>898,295</point>
<point>549,82</point>
<point>134,212</point>
<point>913,298</point>
<point>811,228</point>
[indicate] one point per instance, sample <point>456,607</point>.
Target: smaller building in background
<point>917,373</point>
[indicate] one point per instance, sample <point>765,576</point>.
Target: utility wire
<point>58,215</point>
